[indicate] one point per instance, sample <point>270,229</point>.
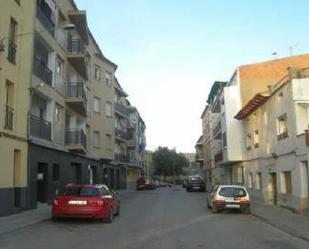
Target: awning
<point>258,100</point>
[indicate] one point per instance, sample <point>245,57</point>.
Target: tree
<point>165,161</point>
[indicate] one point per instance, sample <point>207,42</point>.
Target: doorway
<point>273,185</point>
<point>77,172</point>
<point>42,182</point>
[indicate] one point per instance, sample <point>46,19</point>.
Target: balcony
<point>122,158</point>
<point>42,71</point>
<point>75,140</point>
<point>43,13</point>
<point>76,54</point>
<point>217,131</point>
<point>40,128</point>
<point>79,19</point>
<point>121,135</point>
<point>12,47</point>
<point>121,110</point>
<point>9,114</point>
<point>219,157</point>
<point>76,96</point>
<point>132,143</point>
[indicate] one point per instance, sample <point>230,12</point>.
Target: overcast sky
<point>169,52</point>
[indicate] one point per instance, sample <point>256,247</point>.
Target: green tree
<point>165,161</point>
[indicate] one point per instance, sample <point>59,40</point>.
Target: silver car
<point>224,197</point>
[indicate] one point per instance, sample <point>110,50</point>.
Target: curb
<point>282,228</point>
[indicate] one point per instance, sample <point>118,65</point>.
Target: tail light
<point>100,202</point>
<point>55,202</point>
<point>219,199</point>
<point>244,200</point>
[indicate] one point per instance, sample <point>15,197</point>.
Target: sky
<point>169,52</point>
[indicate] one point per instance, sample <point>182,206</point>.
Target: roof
<point>214,90</point>
<point>257,101</point>
<point>274,68</point>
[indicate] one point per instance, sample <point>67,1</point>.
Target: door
<point>77,172</point>
<point>118,179</point>
<point>42,182</point>
<point>273,179</point>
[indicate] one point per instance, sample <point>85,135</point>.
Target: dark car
<point>145,183</point>
<point>195,183</point>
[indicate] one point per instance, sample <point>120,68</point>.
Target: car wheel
<point>247,210</point>
<point>203,190</point>
<point>54,218</point>
<point>118,210</point>
<point>110,216</point>
<point>214,209</point>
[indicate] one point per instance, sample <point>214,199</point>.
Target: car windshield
<point>195,179</point>
<point>232,192</point>
<point>84,192</point>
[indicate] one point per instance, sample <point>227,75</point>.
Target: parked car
<point>145,183</point>
<point>86,201</point>
<point>195,183</point>
<point>229,197</point>
<point>165,184</point>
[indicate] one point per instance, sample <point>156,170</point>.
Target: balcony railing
<point>40,128</point>
<point>122,134</point>
<point>9,114</point>
<point>122,158</point>
<point>42,71</point>
<point>283,135</point>
<point>219,157</point>
<point>75,137</point>
<point>43,13</point>
<point>76,90</point>
<point>12,47</point>
<point>76,46</point>
<point>217,129</point>
<point>121,109</point>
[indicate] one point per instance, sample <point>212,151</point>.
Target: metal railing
<point>76,90</point>
<point>122,158</point>
<point>9,114</point>
<point>12,47</point>
<point>40,128</point>
<point>76,46</point>
<point>44,16</point>
<point>42,71</point>
<point>122,134</point>
<point>75,137</point>
<point>121,109</point>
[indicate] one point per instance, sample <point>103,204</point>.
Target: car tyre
<point>247,210</point>
<point>110,217</point>
<point>214,209</point>
<point>54,218</point>
<point>118,211</point>
<point>203,190</point>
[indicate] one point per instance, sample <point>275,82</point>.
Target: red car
<point>145,183</point>
<point>86,201</point>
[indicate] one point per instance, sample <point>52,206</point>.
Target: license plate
<point>229,199</point>
<point>77,202</point>
<point>232,206</point>
<point>196,187</point>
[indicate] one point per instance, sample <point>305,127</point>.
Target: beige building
<point>275,151</point>
<point>59,113</point>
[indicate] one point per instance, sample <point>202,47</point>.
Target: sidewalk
<point>33,216</point>
<point>284,219</point>
<point>24,219</point>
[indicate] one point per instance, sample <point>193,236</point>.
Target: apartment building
<point>59,113</point>
<point>225,102</point>
<point>275,151</point>
<point>14,100</point>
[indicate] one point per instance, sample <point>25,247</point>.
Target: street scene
<point>166,218</point>
<point>154,124</point>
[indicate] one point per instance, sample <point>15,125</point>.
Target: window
<point>256,139</point>
<point>258,182</point>
<point>96,72</point>
<point>56,172</point>
<point>108,109</point>
<point>250,180</point>
<point>108,141</point>
<point>224,139</point>
<point>58,110</point>
<point>96,104</point>
<point>96,139</point>
<point>286,182</point>
<point>9,111</point>
<point>108,78</point>
<point>59,68</point>
<point>12,41</point>
<point>248,142</point>
<point>282,128</point>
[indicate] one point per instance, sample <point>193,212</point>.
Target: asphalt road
<point>167,218</point>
